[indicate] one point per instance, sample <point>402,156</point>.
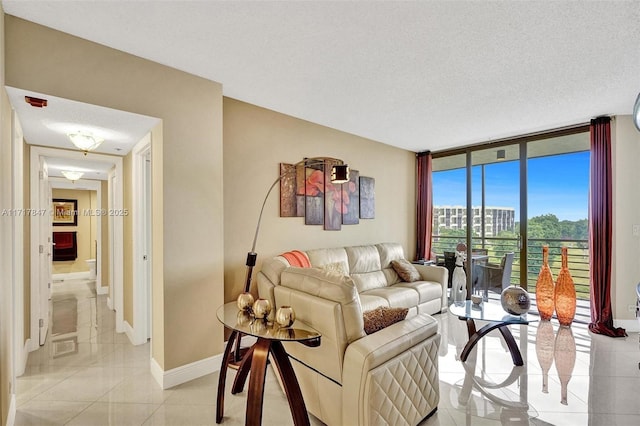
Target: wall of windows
<point>516,196</point>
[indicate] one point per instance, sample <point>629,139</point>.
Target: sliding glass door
<point>496,209</point>
<point>506,200</point>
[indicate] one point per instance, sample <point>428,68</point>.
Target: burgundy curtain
<point>600,226</point>
<point>425,206</point>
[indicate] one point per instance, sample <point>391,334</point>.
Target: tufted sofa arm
<point>382,370</point>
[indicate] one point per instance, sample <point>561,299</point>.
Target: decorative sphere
<point>285,316</point>
<point>261,308</point>
<point>245,301</point>
<point>515,300</point>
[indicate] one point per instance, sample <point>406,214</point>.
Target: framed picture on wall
<point>65,212</point>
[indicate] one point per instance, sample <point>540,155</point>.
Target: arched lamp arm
<point>252,255</point>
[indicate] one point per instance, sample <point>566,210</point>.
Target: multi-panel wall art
<point>308,192</point>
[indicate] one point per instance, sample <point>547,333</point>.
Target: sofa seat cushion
<point>370,301</point>
<point>397,297</point>
<point>427,290</point>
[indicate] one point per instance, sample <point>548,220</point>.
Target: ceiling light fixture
<point>85,141</point>
<point>636,113</point>
<point>72,175</point>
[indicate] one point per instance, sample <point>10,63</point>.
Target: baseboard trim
<point>71,276</point>
<point>128,330</point>
<point>109,303</point>
<point>629,325</point>
<point>131,334</point>
<point>185,373</point>
<point>21,362</point>
<point>11,415</point>
<point>102,290</point>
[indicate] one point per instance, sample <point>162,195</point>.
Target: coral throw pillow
<point>405,270</point>
<point>297,258</point>
<point>381,317</point>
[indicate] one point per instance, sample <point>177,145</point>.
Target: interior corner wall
<point>256,141</point>
<point>6,262</point>
<point>6,293</point>
<point>626,211</point>
<point>190,218</point>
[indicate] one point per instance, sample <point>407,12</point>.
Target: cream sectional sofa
<point>376,281</point>
<point>388,377</point>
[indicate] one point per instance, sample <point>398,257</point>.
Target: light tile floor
<point>87,374</point>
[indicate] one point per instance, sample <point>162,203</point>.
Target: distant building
<point>496,219</point>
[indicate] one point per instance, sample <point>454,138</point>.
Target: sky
<point>556,184</point>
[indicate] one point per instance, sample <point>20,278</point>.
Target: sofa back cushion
<point>328,256</point>
<point>388,253</point>
<point>364,267</point>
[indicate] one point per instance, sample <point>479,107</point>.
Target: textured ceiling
<point>417,75</point>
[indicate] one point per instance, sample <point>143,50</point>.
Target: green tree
<point>544,227</point>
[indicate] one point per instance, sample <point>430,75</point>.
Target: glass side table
<point>496,317</point>
<point>269,342</point>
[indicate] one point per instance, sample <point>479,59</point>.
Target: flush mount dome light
<point>636,113</point>
<point>85,141</point>
<point>72,175</point>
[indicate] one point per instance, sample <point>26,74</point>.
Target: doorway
<point>140,331</point>
<point>41,234</point>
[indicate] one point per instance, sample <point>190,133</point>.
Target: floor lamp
<point>339,174</point>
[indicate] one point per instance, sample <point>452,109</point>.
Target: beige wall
<point>187,170</point>
<point>626,210</point>
<point>85,231</point>
<point>6,294</point>
<point>256,140</point>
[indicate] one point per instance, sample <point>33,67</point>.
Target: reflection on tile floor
<point>87,374</point>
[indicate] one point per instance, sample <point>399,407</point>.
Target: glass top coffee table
<point>496,318</point>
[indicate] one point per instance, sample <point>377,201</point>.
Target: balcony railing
<point>578,251</point>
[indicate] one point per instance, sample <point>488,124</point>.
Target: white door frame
<point>42,247</point>
<point>20,346</point>
<point>140,331</point>
<point>87,185</point>
<point>115,261</point>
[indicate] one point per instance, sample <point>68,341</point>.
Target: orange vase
<point>565,293</point>
<point>544,288</point>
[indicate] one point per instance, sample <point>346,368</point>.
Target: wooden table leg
<point>516,356</point>
<point>243,372</point>
<point>255,394</point>
<point>290,383</point>
<point>223,377</point>
<point>508,337</point>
